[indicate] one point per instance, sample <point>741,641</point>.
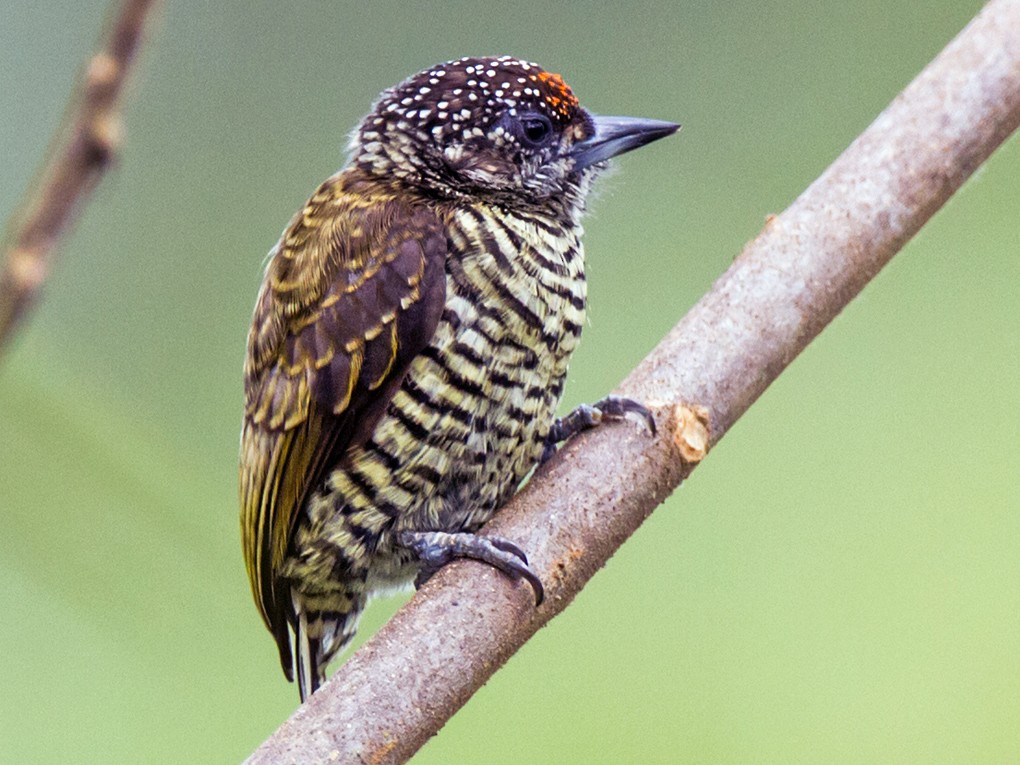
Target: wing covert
<point>353,292</point>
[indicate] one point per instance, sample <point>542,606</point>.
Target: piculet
<point>410,343</point>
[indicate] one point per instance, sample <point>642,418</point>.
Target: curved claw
<point>618,407</point>
<point>437,548</point>
<point>507,546</point>
<point>588,416</point>
<point>519,568</point>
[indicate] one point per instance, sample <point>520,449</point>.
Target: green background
<point>837,583</point>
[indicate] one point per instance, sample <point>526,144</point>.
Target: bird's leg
<point>437,548</point>
<point>589,415</point>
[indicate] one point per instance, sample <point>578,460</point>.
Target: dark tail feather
<point>306,657</point>
<point>321,634</point>
<point>281,633</point>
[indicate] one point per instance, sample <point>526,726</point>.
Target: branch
<point>93,137</point>
<point>805,266</point>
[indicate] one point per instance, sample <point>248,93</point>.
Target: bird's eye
<point>536,129</point>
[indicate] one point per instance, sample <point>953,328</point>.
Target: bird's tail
<point>324,625</point>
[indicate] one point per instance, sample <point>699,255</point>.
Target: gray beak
<point>616,135</point>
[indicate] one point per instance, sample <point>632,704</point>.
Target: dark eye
<point>536,129</point>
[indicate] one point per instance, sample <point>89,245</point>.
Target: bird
<point>410,343</point>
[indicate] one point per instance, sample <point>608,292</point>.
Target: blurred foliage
<point>837,583</point>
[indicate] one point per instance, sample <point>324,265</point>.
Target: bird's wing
<point>352,293</point>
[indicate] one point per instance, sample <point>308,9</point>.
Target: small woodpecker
<point>410,344</point>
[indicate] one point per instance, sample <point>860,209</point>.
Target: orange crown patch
<point>559,98</point>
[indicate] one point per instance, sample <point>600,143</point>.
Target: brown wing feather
<point>353,292</point>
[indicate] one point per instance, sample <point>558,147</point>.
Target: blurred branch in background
<point>85,146</point>
<point>400,688</point>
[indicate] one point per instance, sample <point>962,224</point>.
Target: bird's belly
<point>471,421</point>
<point>470,418</point>
<point>467,425</point>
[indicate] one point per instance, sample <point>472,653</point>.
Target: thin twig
<point>806,265</point>
<point>93,135</point>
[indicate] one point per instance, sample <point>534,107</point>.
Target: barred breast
<point>470,418</point>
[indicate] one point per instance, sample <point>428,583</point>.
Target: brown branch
<point>807,264</point>
<point>93,136</point>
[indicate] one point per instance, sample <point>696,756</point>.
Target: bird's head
<point>499,129</point>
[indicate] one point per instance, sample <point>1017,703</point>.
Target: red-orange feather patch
<point>559,97</point>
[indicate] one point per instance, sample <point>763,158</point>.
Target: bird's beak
<point>616,135</point>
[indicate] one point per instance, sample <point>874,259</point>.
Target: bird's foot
<point>612,408</point>
<point>437,548</point>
